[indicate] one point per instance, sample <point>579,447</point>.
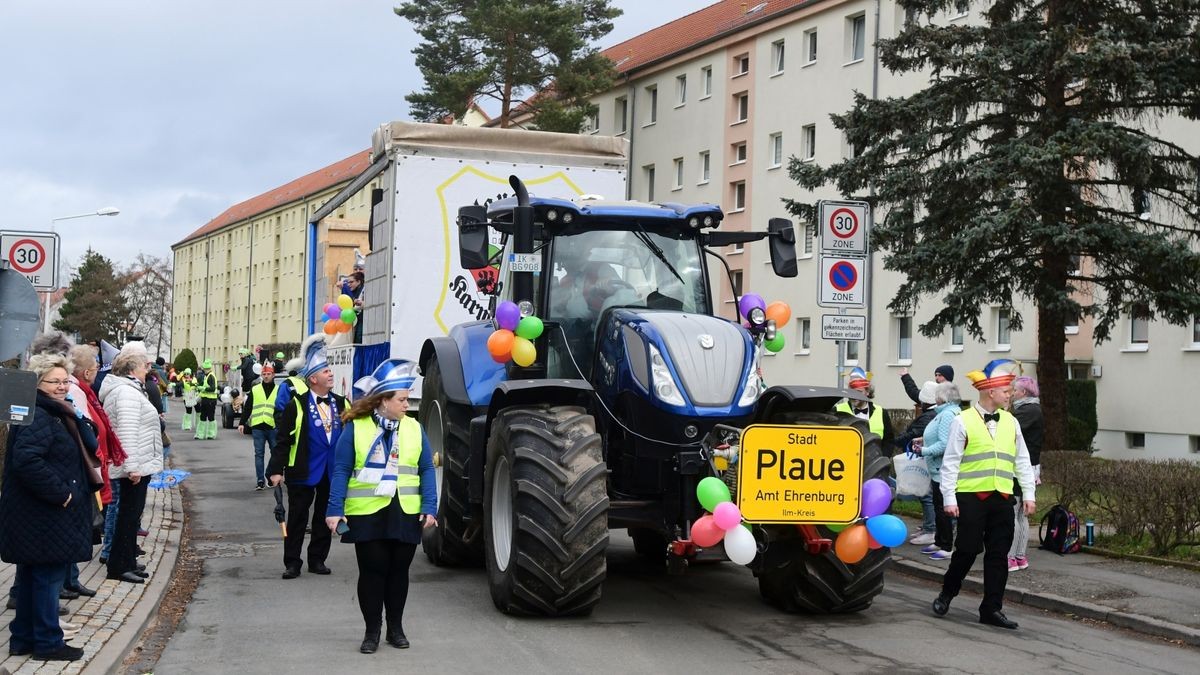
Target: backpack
<point>1059,531</point>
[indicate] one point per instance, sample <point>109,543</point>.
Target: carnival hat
<point>313,353</point>
<point>187,371</point>
<point>267,368</point>
<point>859,378</point>
<point>360,261</point>
<point>207,365</point>
<point>391,375</point>
<point>996,374</point>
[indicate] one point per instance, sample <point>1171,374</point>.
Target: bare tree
<point>147,289</point>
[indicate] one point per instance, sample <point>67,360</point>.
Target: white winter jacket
<point>136,423</point>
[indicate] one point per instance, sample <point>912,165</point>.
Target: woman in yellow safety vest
<point>383,492</point>
<point>191,398</point>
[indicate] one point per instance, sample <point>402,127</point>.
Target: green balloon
<point>776,344</point>
<point>836,527</point>
<point>349,317</point>
<point>712,491</point>
<point>530,328</point>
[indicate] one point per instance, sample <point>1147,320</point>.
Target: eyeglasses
<point>57,383</point>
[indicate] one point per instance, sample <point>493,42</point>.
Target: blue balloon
<point>887,529</point>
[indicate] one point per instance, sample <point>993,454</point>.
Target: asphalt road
<point>244,619</point>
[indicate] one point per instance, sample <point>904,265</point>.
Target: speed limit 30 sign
<point>843,227</point>
<point>32,254</point>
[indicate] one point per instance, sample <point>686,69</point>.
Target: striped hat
<point>313,353</point>
<point>859,378</point>
<point>996,374</point>
<point>391,375</point>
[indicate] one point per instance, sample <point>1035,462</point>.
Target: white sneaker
<point>922,539</point>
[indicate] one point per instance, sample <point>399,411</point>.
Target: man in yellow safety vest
<point>876,416</point>
<point>258,417</point>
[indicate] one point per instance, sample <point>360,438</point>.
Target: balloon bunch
<point>514,335</point>
<point>340,316</point>
<point>722,522</point>
<point>881,529</point>
<point>777,311</point>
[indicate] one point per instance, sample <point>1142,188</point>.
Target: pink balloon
<point>705,532</point>
<point>727,516</point>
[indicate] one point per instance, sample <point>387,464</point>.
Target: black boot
<point>395,636</point>
<point>370,642</point>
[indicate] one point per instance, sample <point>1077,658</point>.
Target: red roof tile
<point>296,190</point>
<point>703,25</point>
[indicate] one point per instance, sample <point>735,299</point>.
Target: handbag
<point>166,440</point>
<point>912,475</point>
<point>98,521</point>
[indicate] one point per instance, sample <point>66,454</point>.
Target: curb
<point>1117,555</point>
<point>1057,603</point>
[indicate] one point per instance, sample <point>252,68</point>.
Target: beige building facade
<point>716,103</point>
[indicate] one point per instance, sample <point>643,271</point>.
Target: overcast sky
<point>174,111</point>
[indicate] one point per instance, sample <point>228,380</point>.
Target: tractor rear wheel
<point>545,511</point>
<point>445,425</point>
<point>795,580</point>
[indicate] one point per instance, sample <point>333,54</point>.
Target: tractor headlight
<point>552,215</point>
<point>525,307</point>
<point>568,217</point>
<point>694,222</point>
<point>757,316</point>
<point>753,387</point>
<point>708,221</point>
<point>661,379</point>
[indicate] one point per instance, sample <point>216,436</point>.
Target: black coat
<point>43,465</point>
<point>916,429</point>
<point>1033,429</point>
<point>290,423</point>
<point>247,371</point>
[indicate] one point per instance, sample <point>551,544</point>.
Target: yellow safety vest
<point>988,464</point>
<point>360,497</point>
<point>189,382</point>
<point>209,390</point>
<point>875,421</point>
<point>263,411</point>
<point>299,386</point>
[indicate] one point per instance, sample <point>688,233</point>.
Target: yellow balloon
<point>345,302</point>
<point>523,352</point>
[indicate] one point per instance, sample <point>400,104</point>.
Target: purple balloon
<point>887,529</point>
<point>749,301</point>
<point>508,315</point>
<point>333,312</point>
<point>876,498</point>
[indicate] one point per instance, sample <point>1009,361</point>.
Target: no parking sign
<point>32,254</point>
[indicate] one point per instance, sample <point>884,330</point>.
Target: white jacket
<point>136,423</point>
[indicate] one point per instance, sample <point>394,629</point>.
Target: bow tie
<point>991,417</point>
<point>322,399</point>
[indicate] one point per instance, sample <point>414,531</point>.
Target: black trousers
<point>208,409</point>
<point>983,525</point>
<point>943,534</point>
<point>122,557</point>
<point>300,499</point>
<point>383,581</point>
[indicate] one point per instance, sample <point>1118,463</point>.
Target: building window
<point>776,146</point>
<point>810,46</point>
<point>736,278</point>
<point>737,247</point>
<point>804,334</point>
<point>808,136</point>
<point>677,175</point>
<point>739,196</point>
<point>1076,265</point>
<point>904,338</point>
<point>680,90</point>
<point>1196,330</point>
<point>649,171</point>
<point>706,81</point>
<point>741,65</point>
<point>1135,440</point>
<point>810,234</point>
<point>911,15</point>
<point>652,96</point>
<point>1139,325</point>
<point>738,153</point>
<point>1071,324</point>
<point>852,350</point>
<point>592,125</point>
<point>856,38</point>
<point>1003,332</point>
<point>1141,204</point>
<point>961,7</point>
<point>704,167</point>
<point>777,57</point>
<point>741,103</point>
<point>621,115</point>
<point>956,336</point>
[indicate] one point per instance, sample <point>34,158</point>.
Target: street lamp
<point>106,211</point>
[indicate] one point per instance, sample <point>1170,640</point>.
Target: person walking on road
<point>1027,408</point>
<point>385,491</point>
<point>983,456</point>
<point>258,417</point>
<point>206,428</point>
<point>308,431</point>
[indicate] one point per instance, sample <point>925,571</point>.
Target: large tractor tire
<point>545,511</point>
<point>795,580</point>
<point>445,426</point>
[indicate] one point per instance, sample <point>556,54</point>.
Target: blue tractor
<point>636,390</point>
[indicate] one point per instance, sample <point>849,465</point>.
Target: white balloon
<point>226,398</point>
<point>257,369</point>
<point>740,545</point>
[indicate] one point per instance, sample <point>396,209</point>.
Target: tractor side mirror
<point>782,241</point>
<point>472,237</point>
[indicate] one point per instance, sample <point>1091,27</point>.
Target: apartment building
<point>715,104</point>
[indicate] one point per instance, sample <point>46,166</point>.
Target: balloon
<point>332,311</point>
<point>348,316</point>
<point>712,491</point>
<point>779,312</point>
<point>887,529</point>
<point>344,327</point>
<point>749,301</point>
<point>776,344</point>
<point>330,328</point>
<point>705,532</point>
<point>530,327</point>
<point>836,527</point>
<point>876,497</point>
<point>727,516</point>
<point>500,344</point>
<point>851,545</point>
<point>508,315</point>
<point>257,368</point>
<point>345,302</point>
<point>871,543</point>
<point>523,352</point>
<point>740,545</point>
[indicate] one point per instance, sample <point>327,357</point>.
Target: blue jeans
<point>35,625</point>
<point>263,438</point>
<point>110,518</point>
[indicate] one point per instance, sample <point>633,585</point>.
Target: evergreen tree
<point>94,306</point>
<point>508,50</point>
<point>1039,137</point>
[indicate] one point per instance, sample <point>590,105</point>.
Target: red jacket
<point>110,450</point>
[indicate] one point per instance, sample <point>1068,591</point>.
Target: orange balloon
<point>852,544</point>
<point>330,328</point>
<point>500,344</point>
<point>780,312</point>
<point>345,327</point>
